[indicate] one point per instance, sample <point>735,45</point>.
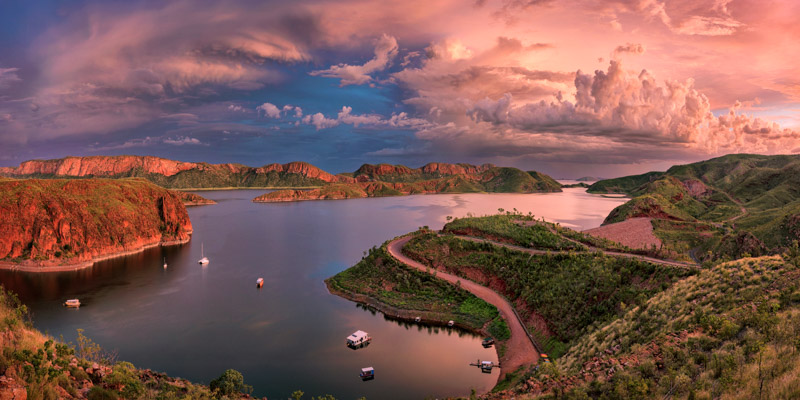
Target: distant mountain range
<point>390,179</point>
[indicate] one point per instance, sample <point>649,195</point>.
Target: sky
<point>567,87</point>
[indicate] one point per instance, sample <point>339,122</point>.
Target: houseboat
<point>367,373</point>
<point>358,339</point>
<point>73,303</point>
<point>488,342</point>
<point>486,367</point>
<point>450,323</point>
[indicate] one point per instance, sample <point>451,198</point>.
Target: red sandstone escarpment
<point>100,166</point>
<point>74,221</point>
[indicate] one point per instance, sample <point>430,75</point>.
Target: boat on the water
<point>358,339</point>
<point>165,262</point>
<point>73,303</point>
<point>367,373</point>
<point>488,342</point>
<point>450,323</point>
<point>203,260</point>
<point>259,282</point>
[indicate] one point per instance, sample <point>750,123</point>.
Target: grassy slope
<point>729,332</point>
<point>556,287</point>
<point>381,277</point>
<point>767,186</point>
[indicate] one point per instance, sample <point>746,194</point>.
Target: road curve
<point>606,252</point>
<point>519,348</point>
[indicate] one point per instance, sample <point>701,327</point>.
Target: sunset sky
<point>570,88</point>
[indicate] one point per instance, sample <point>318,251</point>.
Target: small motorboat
<point>487,342</point>
<point>203,260</point>
<point>450,323</point>
<point>417,319</point>
<point>259,282</point>
<point>165,262</point>
<point>72,303</point>
<point>367,373</point>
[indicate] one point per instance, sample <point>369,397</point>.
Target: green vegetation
<point>623,185</point>
<point>48,369</point>
<point>729,332</point>
<point>711,196</point>
<point>230,383</point>
<point>388,282</point>
<point>568,292</point>
<point>514,228</point>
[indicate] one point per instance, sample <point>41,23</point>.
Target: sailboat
<point>165,262</point>
<point>203,260</point>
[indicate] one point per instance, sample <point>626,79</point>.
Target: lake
<point>195,321</point>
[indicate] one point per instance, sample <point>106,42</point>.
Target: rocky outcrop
<point>191,199</point>
<point>62,222</point>
<point>434,170</point>
<point>178,174</point>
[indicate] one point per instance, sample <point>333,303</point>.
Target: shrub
<point>229,383</point>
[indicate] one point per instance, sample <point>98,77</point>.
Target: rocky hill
<point>57,222</point>
<point>398,180</point>
<point>740,203</point>
<point>176,174</point>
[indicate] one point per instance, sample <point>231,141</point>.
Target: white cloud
<point>385,50</point>
<point>269,110</point>
<point>319,121</point>
<point>182,140</point>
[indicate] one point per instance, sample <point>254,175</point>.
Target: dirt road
<point>520,350</point>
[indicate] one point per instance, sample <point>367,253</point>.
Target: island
<point>398,180</point>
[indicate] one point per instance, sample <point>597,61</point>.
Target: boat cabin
<point>487,342</point>
<point>259,282</point>
<point>75,303</point>
<point>367,373</point>
<point>486,366</point>
<point>358,338</point>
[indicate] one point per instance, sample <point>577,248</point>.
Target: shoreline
<point>43,267</point>
<point>426,317</point>
<point>402,195</point>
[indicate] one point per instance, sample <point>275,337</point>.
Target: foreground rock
<point>74,222</point>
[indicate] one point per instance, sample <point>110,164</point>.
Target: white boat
<point>74,303</point>
<point>260,282</point>
<point>165,262</point>
<point>203,260</point>
<point>451,323</point>
<point>358,338</point>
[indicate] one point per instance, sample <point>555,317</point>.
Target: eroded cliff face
<point>70,221</point>
<point>380,172</point>
<point>204,174</point>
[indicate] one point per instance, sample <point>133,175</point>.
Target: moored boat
<point>259,282</point>
<point>367,373</point>
<point>73,303</point>
<point>358,338</point>
<point>203,260</point>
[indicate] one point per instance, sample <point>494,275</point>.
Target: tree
<point>229,383</point>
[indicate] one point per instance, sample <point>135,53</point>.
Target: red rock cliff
<point>54,222</point>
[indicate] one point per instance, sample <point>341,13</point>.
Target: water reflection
<point>196,321</point>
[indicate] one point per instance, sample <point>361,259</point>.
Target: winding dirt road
<point>520,350</point>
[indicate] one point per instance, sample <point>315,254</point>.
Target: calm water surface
<point>196,321</point>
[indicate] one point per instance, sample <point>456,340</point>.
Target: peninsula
<point>60,224</point>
